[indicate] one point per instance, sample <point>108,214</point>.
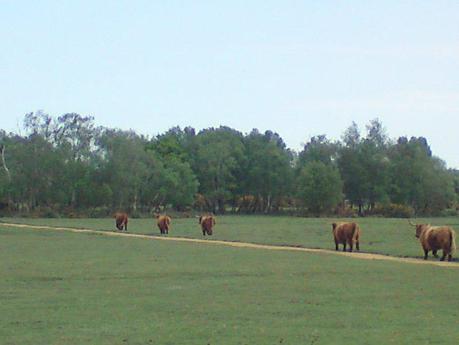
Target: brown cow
<point>163,223</point>
<point>121,220</point>
<point>207,223</point>
<point>346,233</point>
<point>436,237</point>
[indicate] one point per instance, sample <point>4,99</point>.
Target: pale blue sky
<point>299,68</point>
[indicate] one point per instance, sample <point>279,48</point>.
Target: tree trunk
<point>268,203</point>
<point>2,147</point>
<point>10,201</point>
<point>134,205</point>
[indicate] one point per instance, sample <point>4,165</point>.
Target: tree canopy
<point>68,164</point>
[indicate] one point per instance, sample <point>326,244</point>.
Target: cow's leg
<point>351,246</point>
<point>443,256</point>
<point>450,257</point>
<point>426,253</point>
<point>434,253</point>
<point>336,245</point>
<point>357,246</point>
<point>344,246</point>
<point>204,232</point>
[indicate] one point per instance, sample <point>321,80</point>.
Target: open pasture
<point>379,235</point>
<point>65,288</point>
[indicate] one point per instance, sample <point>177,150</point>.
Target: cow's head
<point>334,225</point>
<point>419,228</point>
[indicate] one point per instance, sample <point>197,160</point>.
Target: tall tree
<point>318,149</point>
<point>268,171</point>
<point>219,156</point>
<point>417,178</point>
<point>319,187</point>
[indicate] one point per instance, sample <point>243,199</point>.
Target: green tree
<point>217,162</point>
<point>418,179</point>
<point>364,165</point>
<point>268,171</point>
<point>319,187</point>
<point>318,149</point>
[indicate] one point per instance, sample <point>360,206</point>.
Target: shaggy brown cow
<point>433,238</point>
<point>121,220</point>
<point>346,233</point>
<point>207,223</point>
<point>163,223</point>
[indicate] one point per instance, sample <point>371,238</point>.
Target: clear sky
<point>300,68</point>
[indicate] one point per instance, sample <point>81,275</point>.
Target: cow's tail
<point>356,234</point>
<point>452,241</point>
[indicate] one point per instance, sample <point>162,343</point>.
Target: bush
<point>99,212</point>
<point>346,212</point>
<point>393,211</point>
<point>449,212</point>
<point>45,212</point>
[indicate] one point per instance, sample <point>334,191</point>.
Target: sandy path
<point>361,256</point>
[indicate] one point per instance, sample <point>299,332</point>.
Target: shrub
<point>394,211</point>
<point>449,212</point>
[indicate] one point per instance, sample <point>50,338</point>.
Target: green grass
<point>65,288</point>
<point>379,235</point>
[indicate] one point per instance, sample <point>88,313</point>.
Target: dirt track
<point>362,256</point>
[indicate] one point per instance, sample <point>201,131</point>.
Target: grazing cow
<point>163,223</point>
<point>207,223</point>
<point>433,238</point>
<point>121,220</point>
<point>346,233</point>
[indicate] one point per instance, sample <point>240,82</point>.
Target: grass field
<point>379,235</point>
<point>65,288</point>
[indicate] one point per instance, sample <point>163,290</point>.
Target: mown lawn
<point>379,235</point>
<point>64,288</point>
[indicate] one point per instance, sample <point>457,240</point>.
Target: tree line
<point>68,165</point>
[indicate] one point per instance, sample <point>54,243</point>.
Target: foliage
<point>319,187</point>
<point>393,211</point>
<point>70,165</point>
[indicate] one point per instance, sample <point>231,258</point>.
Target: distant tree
<point>319,187</point>
<point>318,149</point>
<point>175,143</point>
<point>268,171</point>
<point>126,166</point>
<point>351,168</point>
<point>418,179</point>
<point>36,167</point>
<point>40,124</point>
<point>217,162</point>
<point>67,163</point>
<point>376,164</point>
<point>364,165</point>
